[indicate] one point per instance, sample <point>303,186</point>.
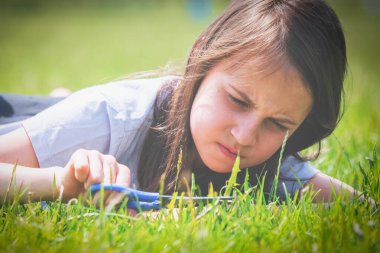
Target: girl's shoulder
<point>295,168</point>
<point>101,117</point>
<point>294,174</point>
<point>128,94</point>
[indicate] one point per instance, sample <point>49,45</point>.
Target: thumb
<point>81,172</point>
<point>79,166</point>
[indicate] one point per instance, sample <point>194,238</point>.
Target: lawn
<point>45,46</point>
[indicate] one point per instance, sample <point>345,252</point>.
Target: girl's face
<point>236,111</point>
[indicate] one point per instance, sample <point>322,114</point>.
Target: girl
<point>263,70</point>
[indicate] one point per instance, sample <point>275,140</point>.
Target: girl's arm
<point>85,167</point>
<point>15,147</point>
<point>326,186</point>
<point>37,184</point>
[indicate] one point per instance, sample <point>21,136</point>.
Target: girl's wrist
<point>29,184</point>
<point>57,174</point>
<point>45,183</point>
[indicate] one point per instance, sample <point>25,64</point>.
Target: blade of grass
<point>10,183</point>
<point>273,193</point>
<point>232,180</point>
<point>178,169</point>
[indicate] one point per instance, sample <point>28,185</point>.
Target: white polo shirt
<point>114,119</point>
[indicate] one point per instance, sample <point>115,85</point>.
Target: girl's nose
<point>246,131</point>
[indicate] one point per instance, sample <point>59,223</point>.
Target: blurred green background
<point>74,44</point>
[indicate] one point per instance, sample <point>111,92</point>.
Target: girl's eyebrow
<point>284,121</point>
<point>241,94</point>
<point>280,119</point>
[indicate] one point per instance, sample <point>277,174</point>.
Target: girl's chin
<point>227,166</point>
<point>220,168</point>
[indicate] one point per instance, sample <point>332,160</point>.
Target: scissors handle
<point>137,200</point>
<point>132,194</point>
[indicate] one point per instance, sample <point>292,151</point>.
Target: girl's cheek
<point>270,142</point>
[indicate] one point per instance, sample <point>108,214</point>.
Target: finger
<point>132,212</point>
<point>97,197</point>
<point>80,164</point>
<point>96,166</point>
<point>109,172</point>
<point>109,198</point>
<point>114,198</point>
<point>110,167</point>
<point>123,176</point>
<point>96,169</point>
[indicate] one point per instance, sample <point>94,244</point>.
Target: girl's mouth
<point>231,154</point>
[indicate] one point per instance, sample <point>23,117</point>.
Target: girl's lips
<point>227,152</point>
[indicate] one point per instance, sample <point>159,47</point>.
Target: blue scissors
<point>145,201</point>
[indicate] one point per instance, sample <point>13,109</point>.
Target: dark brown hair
<point>305,33</point>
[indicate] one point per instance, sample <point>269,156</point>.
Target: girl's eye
<point>279,126</point>
<point>238,102</point>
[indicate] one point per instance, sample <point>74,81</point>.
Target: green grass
<point>343,226</point>
<point>46,47</point>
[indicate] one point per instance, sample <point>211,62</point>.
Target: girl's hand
<point>87,167</point>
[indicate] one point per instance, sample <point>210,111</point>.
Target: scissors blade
<point>197,199</point>
<point>153,200</point>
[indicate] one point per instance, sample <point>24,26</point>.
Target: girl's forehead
<point>246,72</point>
<point>260,65</point>
<point>251,77</point>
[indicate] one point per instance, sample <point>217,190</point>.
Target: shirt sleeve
<point>111,118</point>
<point>294,174</point>
<point>82,120</point>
